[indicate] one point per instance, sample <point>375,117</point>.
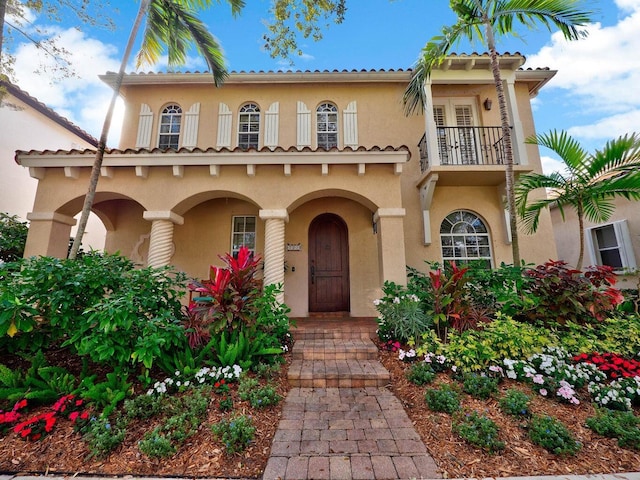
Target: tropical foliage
<point>13,237</point>
<point>589,184</point>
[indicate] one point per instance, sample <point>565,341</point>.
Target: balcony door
<point>457,139</point>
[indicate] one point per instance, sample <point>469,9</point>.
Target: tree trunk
<point>97,163</point>
<point>580,213</point>
<point>506,134</point>
<point>3,11</point>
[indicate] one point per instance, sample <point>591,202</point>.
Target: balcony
<point>467,156</point>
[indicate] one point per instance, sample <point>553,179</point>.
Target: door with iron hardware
<point>328,264</point>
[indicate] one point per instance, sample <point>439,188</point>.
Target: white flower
<point>396,300</point>
<point>177,374</point>
<point>377,302</point>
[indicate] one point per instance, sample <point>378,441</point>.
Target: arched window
<point>465,238</point>
<point>249,126</point>
<point>170,127</point>
<point>327,125</point>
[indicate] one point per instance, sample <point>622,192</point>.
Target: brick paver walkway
<point>345,432</point>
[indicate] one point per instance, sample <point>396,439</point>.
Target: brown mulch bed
<point>521,457</point>
<point>65,452</point>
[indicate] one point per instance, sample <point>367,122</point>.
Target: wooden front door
<point>328,264</point>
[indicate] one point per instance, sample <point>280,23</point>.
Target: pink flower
<point>543,392</point>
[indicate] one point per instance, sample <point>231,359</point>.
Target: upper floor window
<point>465,238</point>
<point>249,126</point>
<point>170,127</point>
<point>243,234</point>
<point>327,125</point>
<point>610,245</point>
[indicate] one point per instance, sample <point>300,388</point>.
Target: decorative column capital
<point>277,214</point>
<point>51,217</point>
<point>152,215</point>
<point>389,212</point>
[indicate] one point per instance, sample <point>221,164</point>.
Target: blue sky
<point>595,95</point>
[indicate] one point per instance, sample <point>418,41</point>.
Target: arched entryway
<point>328,264</point>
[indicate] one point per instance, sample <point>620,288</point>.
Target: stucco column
<point>274,247</point>
<point>391,256</point>
<point>431,129</point>
<point>517,133</point>
<point>49,234</point>
<point>161,247</point>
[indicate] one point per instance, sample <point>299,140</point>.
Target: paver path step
<point>346,433</point>
<point>338,420</point>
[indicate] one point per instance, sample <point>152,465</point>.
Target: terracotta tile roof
<point>212,150</point>
<point>48,112</point>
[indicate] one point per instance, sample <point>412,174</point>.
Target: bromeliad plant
<point>226,301</point>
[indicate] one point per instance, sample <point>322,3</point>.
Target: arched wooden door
<point>328,264</point>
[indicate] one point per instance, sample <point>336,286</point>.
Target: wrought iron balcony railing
<point>465,146</point>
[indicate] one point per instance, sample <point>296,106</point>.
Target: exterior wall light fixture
<point>487,104</point>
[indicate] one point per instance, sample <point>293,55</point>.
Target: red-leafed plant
<point>226,301</point>
<point>561,294</point>
<point>613,365</point>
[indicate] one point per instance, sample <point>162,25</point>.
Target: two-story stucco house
<point>321,173</point>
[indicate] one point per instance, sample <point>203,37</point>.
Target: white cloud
<point>550,165</point>
<point>600,74</point>
<point>609,127</point>
<point>83,99</point>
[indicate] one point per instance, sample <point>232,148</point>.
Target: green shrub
<point>516,403</point>
<point>235,433</point>
<point>479,386</point>
<point>401,314</point>
<point>478,430</point>
<point>144,406</point>
<point>103,435</point>
<point>258,396</point>
<point>40,384</point>
<point>225,404</point>
<point>136,324</point>
<point>552,435</point>
<point>443,399</point>
<point>421,374</point>
<point>106,396</point>
<point>624,426</point>
<point>501,338</point>
<point>13,237</point>
<point>189,411</point>
<point>155,444</point>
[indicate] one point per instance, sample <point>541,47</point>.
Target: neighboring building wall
<point>566,238</point>
<point>29,125</point>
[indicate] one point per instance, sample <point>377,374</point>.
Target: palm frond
<point>174,24</point>
<point>431,57</point>
<point>618,156</point>
<point>565,15</point>
<point>566,147</point>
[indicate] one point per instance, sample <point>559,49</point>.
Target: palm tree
<point>496,18</point>
<point>172,23</point>
<point>589,185</point>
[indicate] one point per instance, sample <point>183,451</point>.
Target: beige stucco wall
<point>205,203</point>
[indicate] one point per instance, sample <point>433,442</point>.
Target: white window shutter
<point>145,123</point>
<point>224,126</point>
<point>589,246</point>
<point>271,125</point>
<point>624,244</point>
<point>350,116</point>
<point>191,121</point>
<point>303,125</point>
